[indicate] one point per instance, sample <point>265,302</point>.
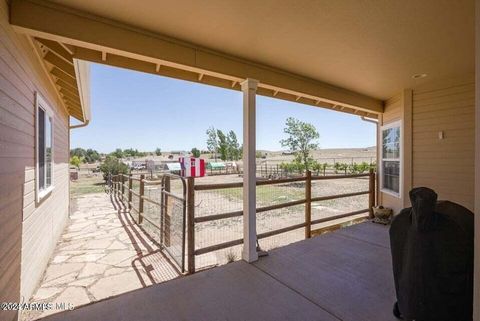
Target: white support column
<point>249,253</point>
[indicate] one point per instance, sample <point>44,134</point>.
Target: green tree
<point>222,145</point>
<point>75,161</point>
<point>91,156</point>
<point>301,140</point>
<point>80,152</point>
<point>158,152</point>
<point>195,152</point>
<point>113,166</point>
<point>233,146</point>
<point>118,153</point>
<point>212,141</point>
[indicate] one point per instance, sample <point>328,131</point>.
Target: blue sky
<point>143,111</point>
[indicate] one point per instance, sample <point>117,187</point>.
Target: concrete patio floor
<point>101,253</point>
<point>340,276</point>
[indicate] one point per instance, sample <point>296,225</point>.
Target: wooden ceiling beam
<point>69,96</point>
<point>66,85</point>
<point>71,93</point>
<point>61,64</point>
<point>68,48</point>
<point>56,48</point>
<point>63,76</point>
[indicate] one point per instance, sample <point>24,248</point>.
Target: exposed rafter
<point>58,58</point>
<point>135,48</point>
<point>61,64</point>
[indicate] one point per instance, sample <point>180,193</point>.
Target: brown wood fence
<point>307,224</point>
<point>122,186</point>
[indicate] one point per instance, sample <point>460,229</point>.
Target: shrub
<point>113,166</point>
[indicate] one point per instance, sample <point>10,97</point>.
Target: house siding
<point>28,231</point>
<point>445,165</point>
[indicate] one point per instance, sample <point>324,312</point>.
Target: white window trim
<point>399,124</point>
<point>40,102</point>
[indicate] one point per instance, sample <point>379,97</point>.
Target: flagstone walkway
<point>102,253</point>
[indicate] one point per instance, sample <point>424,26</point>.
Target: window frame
<point>394,124</point>
<point>41,103</point>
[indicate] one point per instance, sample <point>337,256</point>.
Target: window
<point>391,159</point>
<point>44,148</point>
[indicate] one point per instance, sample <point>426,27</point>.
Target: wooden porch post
<point>308,205</point>
<point>249,253</point>
<point>191,224</point>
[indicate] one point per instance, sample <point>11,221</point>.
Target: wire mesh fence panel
<point>213,202</point>
<point>219,257</point>
<point>151,211</point>
<point>135,200</point>
<point>277,219</point>
<point>339,186</point>
<point>280,193</point>
<point>173,211</point>
<point>218,201</point>
<point>333,207</point>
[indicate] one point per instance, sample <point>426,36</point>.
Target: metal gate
<point>172,217</point>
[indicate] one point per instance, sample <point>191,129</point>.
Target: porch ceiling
<point>371,47</point>
<point>100,39</point>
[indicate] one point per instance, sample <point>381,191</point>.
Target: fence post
<point>191,224</point>
<point>123,186</point>
<point>167,215</point>
<point>130,191</point>
<point>371,190</point>
<point>308,205</point>
<point>140,201</point>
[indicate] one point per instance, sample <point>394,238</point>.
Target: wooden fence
<point>122,186</point>
<point>192,220</point>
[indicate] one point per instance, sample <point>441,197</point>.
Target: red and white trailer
<point>192,166</point>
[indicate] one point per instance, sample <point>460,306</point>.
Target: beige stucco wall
<point>28,231</point>
<point>445,165</point>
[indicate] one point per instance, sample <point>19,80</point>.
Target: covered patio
<point>345,275</point>
<point>408,66</point>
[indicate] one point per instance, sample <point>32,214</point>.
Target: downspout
<point>369,120</point>
<point>377,191</point>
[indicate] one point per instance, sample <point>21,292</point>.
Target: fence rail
<point>123,186</point>
<point>307,200</point>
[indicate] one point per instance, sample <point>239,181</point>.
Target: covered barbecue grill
<point>432,256</point>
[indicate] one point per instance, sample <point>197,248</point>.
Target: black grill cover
<point>432,256</point>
